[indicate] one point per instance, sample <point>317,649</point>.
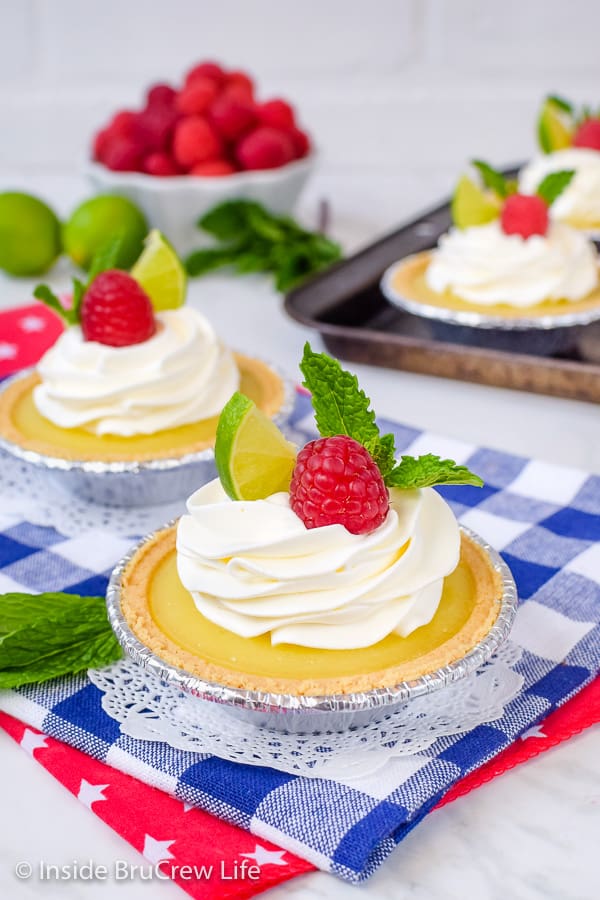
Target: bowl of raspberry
<point>189,149</point>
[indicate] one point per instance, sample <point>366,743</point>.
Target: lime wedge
<point>160,273</point>
<point>253,458</point>
<point>555,126</point>
<point>473,205</point>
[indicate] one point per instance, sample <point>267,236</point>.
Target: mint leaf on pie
<point>491,178</point>
<point>560,103</point>
<point>340,406</point>
<point>553,185</point>
<point>426,471</point>
<point>47,635</point>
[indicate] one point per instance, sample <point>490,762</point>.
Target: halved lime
<point>473,205</point>
<point>160,273</point>
<point>253,458</point>
<point>555,126</point>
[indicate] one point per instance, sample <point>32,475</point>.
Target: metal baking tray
<point>347,307</point>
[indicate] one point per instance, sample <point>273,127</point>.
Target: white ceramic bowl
<point>175,204</point>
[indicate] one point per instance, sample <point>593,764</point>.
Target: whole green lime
<point>29,234</point>
<point>99,220</point>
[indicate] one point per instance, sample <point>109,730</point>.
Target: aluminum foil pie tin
<point>545,334</point>
<point>310,714</point>
<point>131,482</point>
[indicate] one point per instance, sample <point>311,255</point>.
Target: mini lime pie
<point>568,139</point>
<point>137,379</point>
<point>504,263</point>
<point>318,573</point>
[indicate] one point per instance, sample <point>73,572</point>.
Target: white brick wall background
<point>390,84</point>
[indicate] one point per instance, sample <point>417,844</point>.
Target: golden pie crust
<point>135,591</point>
<point>408,281</point>
<point>257,380</point>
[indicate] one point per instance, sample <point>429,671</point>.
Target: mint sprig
<point>552,186</point>
<point>342,407</point>
<point>43,636</point>
<point>425,471</point>
<point>249,238</point>
<point>492,179</point>
<point>104,259</point>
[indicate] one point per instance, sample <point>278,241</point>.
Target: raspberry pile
<point>336,482</point>
<point>116,311</point>
<point>525,215</point>
<point>212,126</point>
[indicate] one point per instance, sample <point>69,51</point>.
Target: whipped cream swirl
<point>484,265</point>
<point>253,567</point>
<point>579,203</point>
<point>182,374</point>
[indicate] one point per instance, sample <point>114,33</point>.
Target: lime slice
<point>160,272</point>
<point>555,126</point>
<point>253,458</point>
<point>473,205</point>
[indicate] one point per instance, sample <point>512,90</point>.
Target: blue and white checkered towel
<point>544,519</point>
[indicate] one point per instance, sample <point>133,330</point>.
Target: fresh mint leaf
<point>491,178</point>
<point>200,262</point>
<point>383,451</point>
<point>107,257</point>
<point>426,471</point>
<point>255,240</point>
<point>560,102</point>
<point>18,610</point>
<point>45,635</point>
<point>45,294</point>
<point>552,186</point>
<point>228,221</point>
<point>99,650</point>
<point>340,406</point>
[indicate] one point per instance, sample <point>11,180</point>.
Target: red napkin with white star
<point>25,334</point>
<point>185,838</point>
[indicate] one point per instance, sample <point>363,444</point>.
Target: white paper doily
<point>151,710</point>
<point>35,497</point>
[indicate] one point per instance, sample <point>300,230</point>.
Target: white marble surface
<point>529,835</point>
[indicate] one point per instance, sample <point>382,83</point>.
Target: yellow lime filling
<point>410,282</point>
<point>255,379</point>
<point>173,611</point>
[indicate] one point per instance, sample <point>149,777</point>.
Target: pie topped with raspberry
<point>136,375</point>
<point>506,258</point>
<point>332,570</point>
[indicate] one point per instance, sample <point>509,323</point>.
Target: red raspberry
<point>123,123</point>
<point>197,96</point>
<point>154,126</point>
<point>588,134</point>
<point>123,154</point>
<point>101,142</point>
<point>213,168</point>
<point>265,148</point>
<point>160,164</point>
<point>232,116</point>
<point>161,95</point>
<point>240,85</point>
<point>206,70</point>
<point>336,481</point>
<point>301,142</point>
<point>195,141</point>
<point>277,114</point>
<point>116,311</point>
<point>525,215</point>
